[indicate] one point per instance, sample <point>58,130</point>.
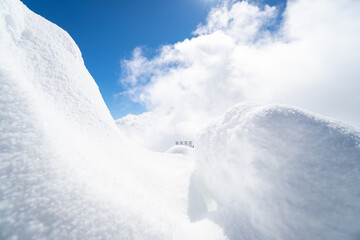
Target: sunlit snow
<point>67,172</point>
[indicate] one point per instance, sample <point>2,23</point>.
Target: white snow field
<point>67,172</point>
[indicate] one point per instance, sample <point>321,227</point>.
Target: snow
<point>278,172</point>
<point>68,172</point>
<point>181,149</point>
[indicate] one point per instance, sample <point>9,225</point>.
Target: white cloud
<point>242,21</point>
<point>311,62</point>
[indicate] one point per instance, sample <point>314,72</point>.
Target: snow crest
<point>66,171</point>
<point>278,172</point>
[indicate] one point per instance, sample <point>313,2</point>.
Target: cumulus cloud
<point>310,61</point>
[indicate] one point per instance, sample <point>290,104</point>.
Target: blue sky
<point>107,31</point>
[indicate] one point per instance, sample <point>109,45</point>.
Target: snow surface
<point>67,172</point>
<point>277,172</point>
<point>181,149</point>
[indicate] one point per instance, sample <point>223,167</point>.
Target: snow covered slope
<point>66,171</point>
<point>277,172</point>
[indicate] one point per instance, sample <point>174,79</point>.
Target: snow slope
<point>277,172</point>
<point>67,172</point>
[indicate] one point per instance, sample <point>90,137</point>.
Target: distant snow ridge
<point>277,172</point>
<point>180,149</point>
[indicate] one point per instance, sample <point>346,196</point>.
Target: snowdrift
<point>67,172</point>
<point>277,172</point>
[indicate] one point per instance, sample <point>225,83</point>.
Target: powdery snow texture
<point>67,172</point>
<point>277,172</point>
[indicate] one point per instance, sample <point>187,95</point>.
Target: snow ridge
<point>278,172</point>
<point>67,171</point>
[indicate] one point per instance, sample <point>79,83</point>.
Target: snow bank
<point>66,171</point>
<point>277,172</point>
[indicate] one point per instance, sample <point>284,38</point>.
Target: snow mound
<point>182,150</point>
<point>66,171</point>
<point>277,172</point>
